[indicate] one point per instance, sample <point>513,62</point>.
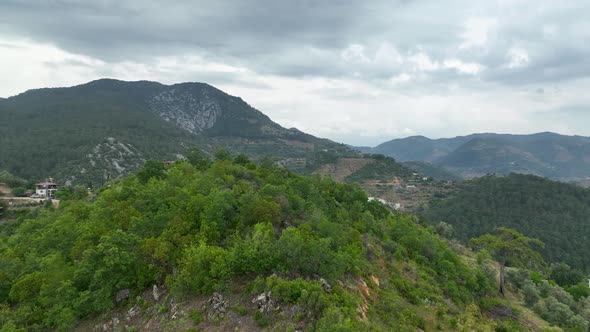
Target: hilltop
<point>232,245</point>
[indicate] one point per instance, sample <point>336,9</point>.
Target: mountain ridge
<point>548,154</point>
<point>61,132</point>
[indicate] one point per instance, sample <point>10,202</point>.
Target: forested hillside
<point>314,255</point>
<point>437,172</point>
<point>107,128</point>
<point>556,213</point>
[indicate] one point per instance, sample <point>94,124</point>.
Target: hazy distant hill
<point>545,154</point>
<point>107,128</point>
<point>419,148</point>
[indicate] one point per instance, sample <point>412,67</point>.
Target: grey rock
<point>217,306</point>
<point>186,111</point>
<point>325,285</point>
<point>122,295</point>
<point>265,303</point>
<point>156,293</point>
<point>133,312</point>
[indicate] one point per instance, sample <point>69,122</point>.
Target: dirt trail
<point>25,200</point>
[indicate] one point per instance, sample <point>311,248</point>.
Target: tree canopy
<point>510,248</point>
<point>198,230</point>
<point>555,213</point>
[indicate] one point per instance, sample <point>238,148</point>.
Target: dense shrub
<point>200,227</point>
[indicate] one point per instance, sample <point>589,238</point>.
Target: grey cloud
<point>553,66</point>
<point>261,35</point>
<point>306,37</point>
<point>272,44</point>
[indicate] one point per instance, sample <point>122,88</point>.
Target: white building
<point>45,189</point>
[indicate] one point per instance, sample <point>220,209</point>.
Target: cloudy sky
<point>359,72</point>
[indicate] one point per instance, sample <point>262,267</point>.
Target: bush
<point>517,277</point>
<point>536,277</point>
<point>560,314</point>
<point>19,191</point>
<point>579,291</point>
<point>562,296</point>
<point>530,293</point>
<point>563,275</point>
<point>260,319</point>
<point>196,316</point>
<point>202,270</point>
<point>241,310</point>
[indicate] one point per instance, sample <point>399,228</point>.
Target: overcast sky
<point>359,72</point>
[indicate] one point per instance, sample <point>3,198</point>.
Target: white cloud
<point>477,32</point>
<point>355,53</point>
<point>25,65</point>
<point>388,55</point>
<point>463,67</point>
<point>517,57</point>
<point>422,62</point>
<point>401,78</point>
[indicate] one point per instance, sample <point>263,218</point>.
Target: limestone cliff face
<point>193,111</point>
<point>107,160</point>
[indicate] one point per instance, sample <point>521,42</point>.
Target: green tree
<point>151,169</point>
<point>510,248</point>
<point>242,159</point>
<point>222,154</point>
<point>445,230</point>
<point>19,191</point>
<point>564,275</point>
<point>202,270</point>
<point>198,158</point>
<point>530,293</point>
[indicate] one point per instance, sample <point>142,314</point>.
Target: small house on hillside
<point>45,189</point>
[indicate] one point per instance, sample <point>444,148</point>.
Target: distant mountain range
<point>107,128</point>
<point>545,154</point>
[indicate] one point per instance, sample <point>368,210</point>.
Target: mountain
<point>107,128</point>
<point>546,154</point>
<point>554,212</point>
<point>419,148</point>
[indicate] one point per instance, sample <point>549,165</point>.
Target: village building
<point>45,189</point>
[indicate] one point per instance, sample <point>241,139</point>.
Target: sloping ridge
<point>56,131</point>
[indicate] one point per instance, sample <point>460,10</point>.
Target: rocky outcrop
<point>156,293</point>
<point>325,285</point>
<point>216,307</point>
<point>265,303</point>
<point>186,110</point>
<point>122,295</point>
